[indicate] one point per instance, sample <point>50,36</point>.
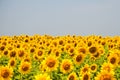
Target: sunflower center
<point>5,74</point>
<point>78,58</point>
<point>51,64</point>
<point>96,55</point>
<point>57,53</point>
<point>86,77</point>
<point>85,70</point>
<point>27,60</point>
<point>32,50</point>
<point>25,68</point>
<point>26,40</point>
<point>113,60</point>
<point>82,50</point>
<point>18,46</point>
<point>93,68</point>
<point>12,63</point>
<point>92,49</point>
<point>67,66</point>
<point>12,54</point>
<point>71,50</point>
<point>71,77</point>
<point>40,53</point>
<point>21,54</point>
<point>2,48</point>
<point>60,42</point>
<point>6,52</point>
<point>89,43</point>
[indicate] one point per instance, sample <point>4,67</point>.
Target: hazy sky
<point>60,17</point>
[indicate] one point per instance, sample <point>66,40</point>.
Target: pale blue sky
<point>60,17</point>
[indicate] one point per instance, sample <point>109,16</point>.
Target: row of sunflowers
<point>69,57</point>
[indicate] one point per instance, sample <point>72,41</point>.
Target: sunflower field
<point>69,57</point>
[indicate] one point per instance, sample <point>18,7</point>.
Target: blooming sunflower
<point>6,73</point>
<point>66,66</point>
<point>24,67</point>
<point>86,76</point>
<point>113,59</point>
<point>12,62</point>
<point>107,67</point>
<point>27,59</point>
<point>79,58</point>
<point>93,67</point>
<point>40,53</point>
<point>12,54</point>
<point>93,49</point>
<point>105,76</point>
<point>21,54</point>
<point>82,50</point>
<point>72,76</point>
<point>85,69</point>
<point>51,63</point>
<point>44,76</point>
<point>6,52</point>
<point>71,51</point>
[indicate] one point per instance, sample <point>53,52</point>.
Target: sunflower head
<point>85,69</point>
<point>72,76</point>
<point>105,76</point>
<point>66,66</point>
<point>12,54</point>
<point>6,52</point>
<point>113,59</point>
<point>78,59</point>
<point>107,67</point>
<point>6,73</point>
<point>86,76</point>
<point>24,67</point>
<point>51,63</point>
<point>21,54</point>
<point>12,62</point>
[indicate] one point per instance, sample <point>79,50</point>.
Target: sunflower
<point>32,49</point>
<point>2,48</point>
<point>6,73</point>
<point>21,54</point>
<point>67,46</point>
<point>27,59</point>
<point>86,76</point>
<point>93,49</point>
<point>85,69</point>
<point>71,51</point>
<point>96,55</point>
<point>79,58</point>
<point>56,52</point>
<point>51,63</point>
<point>66,66</point>
<point>72,76</point>
<point>61,42</point>
<point>93,67</point>
<point>44,76</point>
<point>12,54</point>
<point>107,67</point>
<point>40,53</point>
<point>6,52</point>
<point>113,59</point>
<point>82,50</point>
<point>12,62</point>
<point>105,76</point>
<point>24,67</point>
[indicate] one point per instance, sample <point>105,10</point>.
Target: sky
<point>60,17</point>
